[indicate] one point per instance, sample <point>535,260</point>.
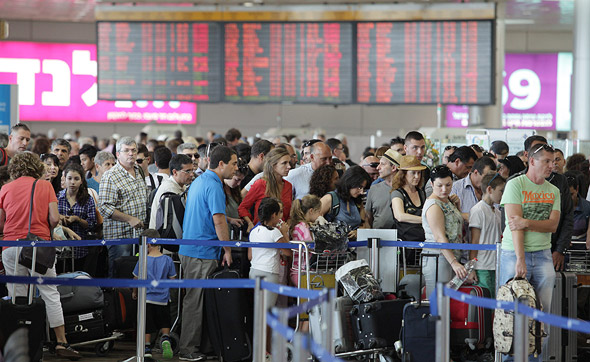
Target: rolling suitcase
<point>471,325</point>
<point>229,319</point>
<point>83,327</point>
<point>123,267</point>
<point>418,334</point>
<point>25,312</point>
<point>562,345</point>
<point>377,324</point>
<point>342,331</point>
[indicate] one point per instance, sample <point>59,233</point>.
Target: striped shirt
<point>122,192</point>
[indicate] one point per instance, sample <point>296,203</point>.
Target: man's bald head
<point>321,155</point>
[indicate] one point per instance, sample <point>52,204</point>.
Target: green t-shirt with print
<point>538,201</point>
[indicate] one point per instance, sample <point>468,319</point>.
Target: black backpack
<point>152,194</point>
<point>334,207</point>
<point>170,216</point>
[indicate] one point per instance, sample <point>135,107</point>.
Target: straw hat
<point>411,163</point>
<point>392,156</point>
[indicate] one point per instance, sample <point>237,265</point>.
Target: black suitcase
<point>418,334</point>
<point>25,312</point>
<point>31,316</point>
<point>229,319</point>
<point>377,324</point>
<point>83,327</point>
<point>120,310</point>
<point>123,267</point>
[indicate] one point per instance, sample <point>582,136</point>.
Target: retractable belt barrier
<point>278,319</point>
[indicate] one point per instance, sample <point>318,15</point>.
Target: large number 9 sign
<point>525,86</point>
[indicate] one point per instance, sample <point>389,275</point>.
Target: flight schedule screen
<point>299,62</point>
<point>178,61</point>
<point>425,62</point>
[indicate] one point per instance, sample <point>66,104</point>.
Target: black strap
<point>31,205</point>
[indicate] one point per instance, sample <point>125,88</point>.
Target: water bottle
<point>457,282</point>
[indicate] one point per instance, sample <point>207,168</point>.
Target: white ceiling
<point>548,15</point>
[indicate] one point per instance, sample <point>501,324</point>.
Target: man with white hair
<point>122,199</point>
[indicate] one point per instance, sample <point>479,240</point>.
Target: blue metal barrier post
<point>259,322</point>
<point>520,340</point>
<point>300,353</point>
<point>279,345</point>
<point>141,299</point>
<point>443,325</point>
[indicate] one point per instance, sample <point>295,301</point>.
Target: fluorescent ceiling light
<point>519,21</point>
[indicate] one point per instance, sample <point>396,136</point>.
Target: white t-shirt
<point>488,220</point>
<point>267,260</point>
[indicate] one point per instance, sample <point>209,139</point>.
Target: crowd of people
<point>274,190</point>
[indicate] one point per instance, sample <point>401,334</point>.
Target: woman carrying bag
<point>17,222</point>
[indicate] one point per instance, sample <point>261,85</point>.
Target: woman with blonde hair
<point>272,184</point>
<point>26,169</point>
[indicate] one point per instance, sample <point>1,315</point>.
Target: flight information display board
<point>449,62</point>
<point>299,62</point>
<point>178,61</point>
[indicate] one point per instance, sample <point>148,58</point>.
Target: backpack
<point>170,216</point>
<point>515,289</point>
<point>151,196</point>
<point>334,208</point>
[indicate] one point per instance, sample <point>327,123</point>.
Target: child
<point>157,314</point>
<point>304,212</point>
<point>485,226</point>
<point>266,262</point>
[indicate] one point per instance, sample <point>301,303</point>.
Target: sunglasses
<point>372,164</point>
<point>492,180</point>
<point>545,147</point>
<point>450,148</point>
<point>309,143</point>
<point>210,147</point>
<point>139,160</point>
<point>193,155</point>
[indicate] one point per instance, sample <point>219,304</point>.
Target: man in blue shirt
<point>204,219</point>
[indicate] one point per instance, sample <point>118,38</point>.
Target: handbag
<point>45,257</point>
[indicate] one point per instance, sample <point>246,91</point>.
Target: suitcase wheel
<point>102,349</point>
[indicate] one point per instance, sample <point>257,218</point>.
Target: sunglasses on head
<point>545,147</point>
<point>493,178</point>
<point>450,148</point>
<point>372,164</point>
<point>309,143</point>
<point>210,147</point>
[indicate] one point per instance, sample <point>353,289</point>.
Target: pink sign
<point>57,82</point>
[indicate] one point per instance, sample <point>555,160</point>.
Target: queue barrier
<point>277,318</point>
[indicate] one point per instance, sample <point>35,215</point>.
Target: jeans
<point>116,251</point>
<point>445,272</point>
<point>540,273</point>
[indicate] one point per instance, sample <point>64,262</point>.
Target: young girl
<point>485,226</point>
<point>304,212</point>
<point>266,262</point>
<point>78,211</point>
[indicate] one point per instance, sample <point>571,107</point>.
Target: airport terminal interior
<point>293,180</point>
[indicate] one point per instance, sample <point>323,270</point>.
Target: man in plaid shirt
<point>122,199</point>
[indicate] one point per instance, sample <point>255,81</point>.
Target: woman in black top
<point>408,198</point>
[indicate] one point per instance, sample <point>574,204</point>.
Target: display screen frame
<point>493,62</point>
<point>354,61</point>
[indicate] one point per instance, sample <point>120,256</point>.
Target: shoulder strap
<point>31,204</point>
<point>3,157</point>
<point>335,208</point>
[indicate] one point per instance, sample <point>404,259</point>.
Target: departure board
<point>298,62</point>
<point>178,61</point>
<point>449,62</point>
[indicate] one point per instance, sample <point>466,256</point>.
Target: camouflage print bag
<point>513,290</point>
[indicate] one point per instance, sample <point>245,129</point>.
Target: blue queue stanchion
<point>303,341</point>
